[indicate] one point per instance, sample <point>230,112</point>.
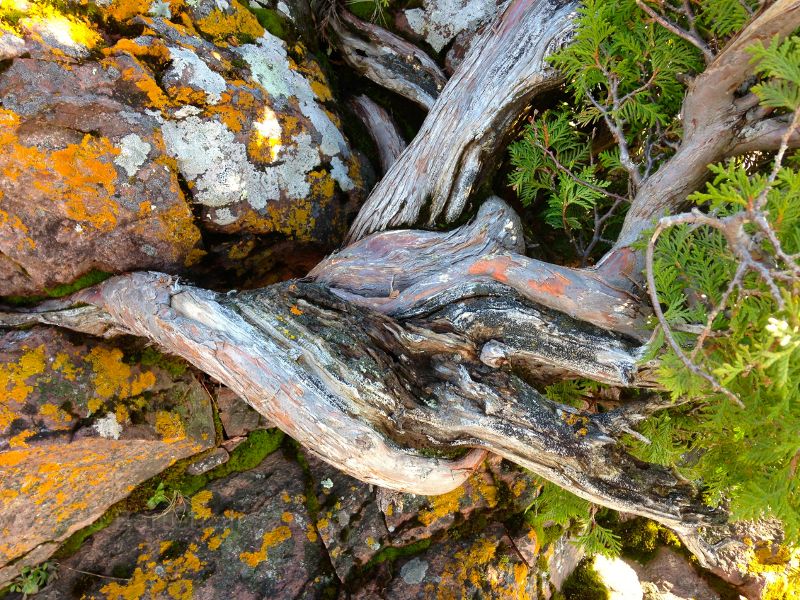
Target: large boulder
<point>126,136</point>
<point>82,423</point>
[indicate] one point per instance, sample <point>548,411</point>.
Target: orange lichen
<point>155,50</point>
<point>14,375</point>
<point>20,440</point>
<point>145,83</point>
<point>16,229</point>
<point>80,177</point>
<point>271,538</point>
<point>169,426</point>
<point>122,10</point>
<point>287,517</point>
<point>228,113</point>
<point>183,94</point>
<point>220,27</point>
<point>199,503</point>
<point>113,377</point>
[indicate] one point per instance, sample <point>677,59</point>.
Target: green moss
<point>584,583</point>
<point>91,278</point>
<point>390,553</point>
<point>273,21</point>
<point>151,357</point>
<point>247,455</point>
<point>73,542</point>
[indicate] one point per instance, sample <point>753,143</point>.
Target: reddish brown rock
<point>100,158</point>
<point>81,425</point>
<point>484,565</point>
<point>50,491</point>
<point>247,536</point>
<point>349,521</point>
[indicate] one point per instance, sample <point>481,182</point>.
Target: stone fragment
<point>213,459</point>
<point>237,417</point>
<point>671,577</point>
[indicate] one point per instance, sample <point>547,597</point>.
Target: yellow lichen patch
<point>64,364</point>
<point>229,513</point>
<point>474,566</point>
<point>93,405</point>
<point>170,579</point>
<point>271,538</point>
<point>220,27</point>
<point>111,375</point>
<point>216,541</point>
<point>322,184</point>
<point>311,533</point>
<point>21,439</point>
<point>199,503</point>
<point>13,378</point>
<point>57,416</point>
<point>287,517</point>
<point>296,221</point>
<point>169,426</point>
<point>441,506</point>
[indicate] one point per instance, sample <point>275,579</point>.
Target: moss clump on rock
<point>584,584</point>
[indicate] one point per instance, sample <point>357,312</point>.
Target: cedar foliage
<point>624,74</point>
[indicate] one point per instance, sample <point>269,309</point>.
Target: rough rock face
<point>438,22</point>
<point>80,428</point>
<point>248,536</point>
<point>115,156</point>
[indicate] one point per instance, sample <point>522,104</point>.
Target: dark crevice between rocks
<point>295,452</point>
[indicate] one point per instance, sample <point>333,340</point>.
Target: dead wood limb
<point>387,59</point>
<point>381,128</point>
<point>401,272</point>
<point>504,68</point>
<point>371,395</point>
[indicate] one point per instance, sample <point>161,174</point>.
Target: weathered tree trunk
<point>410,345</point>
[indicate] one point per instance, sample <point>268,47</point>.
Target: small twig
<point>97,574</point>
<point>734,284</point>
<point>664,224</point>
<point>615,126</point>
<point>689,36</point>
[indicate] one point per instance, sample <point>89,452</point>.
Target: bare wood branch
<point>712,121</point>
<point>388,60</point>
<point>690,36</point>
<point>382,129</point>
<point>502,71</point>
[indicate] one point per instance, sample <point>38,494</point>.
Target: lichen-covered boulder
<point>127,129</point>
<point>482,565</point>
<point>247,536</point>
<point>82,423</point>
